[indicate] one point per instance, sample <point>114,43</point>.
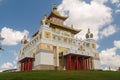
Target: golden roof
<point>55,13</point>
<point>71,29</point>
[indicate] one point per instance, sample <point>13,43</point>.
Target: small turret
<point>89,34</point>
<point>44,20</point>
<point>24,40</point>
<point>54,7</point>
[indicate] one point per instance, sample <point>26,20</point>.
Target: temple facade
<point>53,47</point>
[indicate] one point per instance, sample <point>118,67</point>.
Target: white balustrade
<point>78,52</point>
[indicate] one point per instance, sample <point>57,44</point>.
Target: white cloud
<point>117,44</point>
<point>115,1</point>
<point>100,1</point>
<point>12,64</point>
<point>97,46</point>
<point>14,52</point>
<point>117,4</point>
<point>110,68</point>
<point>108,31</point>
<point>12,37</point>
<point>7,65</point>
<point>109,57</point>
<point>83,15</point>
<point>15,61</point>
<point>117,11</point>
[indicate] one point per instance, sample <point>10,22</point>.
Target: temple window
<point>87,44</point>
<point>53,37</point>
<point>59,39</point>
<point>47,34</point>
<point>53,29</point>
<point>65,40</point>
<point>48,47</point>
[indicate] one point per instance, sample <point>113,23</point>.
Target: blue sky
<point>20,17</point>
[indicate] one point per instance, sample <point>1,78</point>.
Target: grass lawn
<point>61,75</point>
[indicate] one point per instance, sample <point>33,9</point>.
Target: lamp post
<point>1,38</point>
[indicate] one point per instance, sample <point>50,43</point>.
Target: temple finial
<point>24,40</point>
<point>43,21</point>
<point>45,14</point>
<point>54,6</point>
<point>88,30</point>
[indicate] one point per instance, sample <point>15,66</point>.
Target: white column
<point>57,56</point>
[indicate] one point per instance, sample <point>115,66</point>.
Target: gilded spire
<point>88,30</point>
<point>45,16</point>
<point>54,7</point>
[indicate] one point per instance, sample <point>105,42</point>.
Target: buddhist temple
<point>54,47</point>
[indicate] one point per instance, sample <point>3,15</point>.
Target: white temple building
<point>53,47</point>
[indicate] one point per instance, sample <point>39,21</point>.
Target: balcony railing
<point>78,52</point>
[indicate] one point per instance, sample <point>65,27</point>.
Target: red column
<point>76,62</point>
<point>23,66</point>
<point>82,63</point>
<point>88,64</point>
<point>28,64</point>
<point>69,64</point>
<point>85,64</point>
